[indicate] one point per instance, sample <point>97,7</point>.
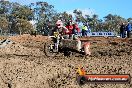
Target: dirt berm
<point>24,65</point>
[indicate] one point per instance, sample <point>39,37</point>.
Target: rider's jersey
<point>62,30</point>
<point>73,28</point>
<point>70,28</point>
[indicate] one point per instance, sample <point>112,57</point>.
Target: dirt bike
<point>58,45</point>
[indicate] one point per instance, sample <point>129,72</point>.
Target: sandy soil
<point>23,64</point>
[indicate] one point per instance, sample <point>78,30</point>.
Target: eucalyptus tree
<point>79,16</point>
<point>21,12</point>
<point>44,14</point>
<point>112,22</point>
<point>5,8</point>
<point>3,24</point>
<point>129,19</point>
<point>94,22</point>
<point>23,26</point>
<point>4,14</point>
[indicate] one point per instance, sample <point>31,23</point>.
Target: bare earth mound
<point>24,65</point>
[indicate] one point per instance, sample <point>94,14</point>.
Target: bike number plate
<point>56,34</point>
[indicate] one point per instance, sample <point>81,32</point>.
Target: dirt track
<point>24,65</point>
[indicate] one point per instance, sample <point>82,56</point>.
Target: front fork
<point>55,46</point>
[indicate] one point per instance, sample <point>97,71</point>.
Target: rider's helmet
<point>59,23</point>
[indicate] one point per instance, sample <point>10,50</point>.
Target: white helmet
<point>59,23</point>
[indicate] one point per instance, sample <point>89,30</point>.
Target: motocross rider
<point>64,33</point>
<point>60,28</point>
<point>72,27</point>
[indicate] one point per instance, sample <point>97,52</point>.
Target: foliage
<point>113,22</point>
<point>44,14</point>
<point>23,26</point>
<point>14,18</point>
<point>3,24</point>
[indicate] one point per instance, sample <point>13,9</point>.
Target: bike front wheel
<point>49,49</point>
